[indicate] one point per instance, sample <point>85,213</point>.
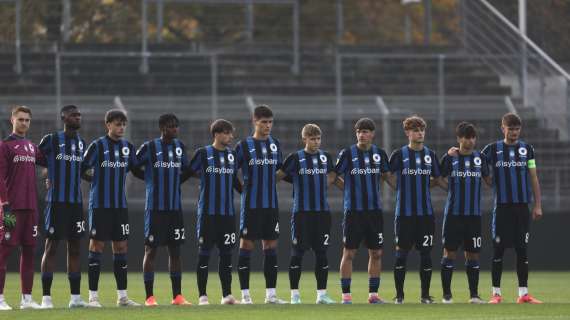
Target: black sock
<point>270,268</point>
<point>243,268</point>
<point>74,282</point>
<point>47,279</point>
<point>94,270</point>
<point>321,269</point>
<point>373,284</point>
<point>345,284</point>
<point>176,283</point>
<point>446,275</point>
<point>497,266</point>
<point>425,272</point>
<point>400,272</point>
<point>472,270</point>
<point>120,270</point>
<point>148,283</point>
<point>295,269</point>
<point>225,272</point>
<point>522,267</point>
<point>202,272</point>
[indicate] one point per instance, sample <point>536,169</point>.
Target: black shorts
<point>217,230</point>
<point>109,224</point>
<point>258,224</point>
<point>414,231</point>
<point>64,221</point>
<point>462,230</point>
<point>164,228</point>
<point>363,225</point>
<point>510,227</point>
<point>311,230</point>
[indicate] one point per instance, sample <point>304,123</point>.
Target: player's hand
<point>453,151</point>
<point>537,213</point>
<point>9,218</point>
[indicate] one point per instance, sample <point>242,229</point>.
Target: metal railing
<point>145,54</point>
<point>212,57</point>
<point>539,81</point>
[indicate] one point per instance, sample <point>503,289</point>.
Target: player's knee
<point>522,254</point>
<point>94,258</point>
<point>73,251</point>
<point>375,254</point>
<point>321,258</point>
<point>348,254</point>
<point>447,263</point>
<point>174,251</point>
<point>498,253</point>
<point>450,254</point>
<point>246,244</point>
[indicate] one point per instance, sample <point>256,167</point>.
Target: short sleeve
<point>290,164</point>
<point>239,155</point>
<point>196,162</point>
<point>384,165</point>
<point>435,171</point>
<point>396,161</point>
<point>46,144</point>
<point>142,154</point>
<point>90,157</point>
<point>341,162</point>
<point>445,165</point>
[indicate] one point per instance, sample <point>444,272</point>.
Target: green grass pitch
<point>551,287</point>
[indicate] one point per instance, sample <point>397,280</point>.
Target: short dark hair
<point>16,109</point>
<point>414,122</point>
<point>466,130</point>
<point>511,120</point>
<point>115,114</point>
<point>365,124</point>
<point>221,126</point>
<point>168,119</point>
<point>262,111</point>
<point>67,108</point>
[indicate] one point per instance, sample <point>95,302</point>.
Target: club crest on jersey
<point>73,147</point>
<point>376,158</point>
<point>178,152</point>
<point>315,161</point>
<point>366,160</point>
<point>427,159</point>
<point>523,151</point>
<point>477,161</point>
<point>222,160</point>
<point>264,150</point>
<point>512,153</point>
<point>170,154</point>
<point>231,158</point>
<point>323,158</point>
<point>273,147</point>
<point>116,153</point>
<point>467,164</point>
<point>126,151</point>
